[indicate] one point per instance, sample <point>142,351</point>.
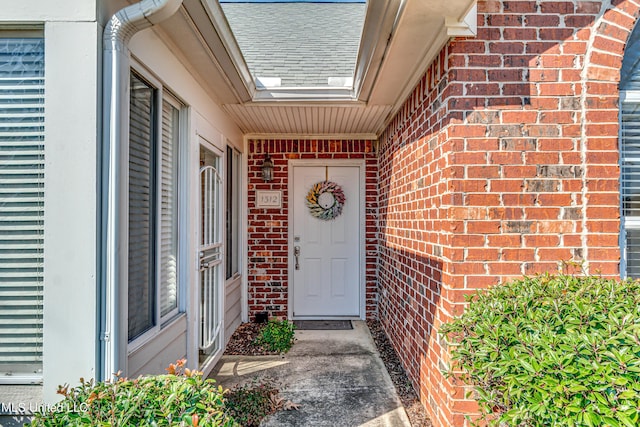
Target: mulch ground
<point>415,411</point>
<point>242,343</point>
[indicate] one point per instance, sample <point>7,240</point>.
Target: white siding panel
<point>71,201</point>
<point>156,355</point>
<point>233,304</point>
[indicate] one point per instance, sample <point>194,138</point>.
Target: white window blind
<point>21,205</point>
<point>169,207</point>
<point>630,182</point>
<point>141,216</point>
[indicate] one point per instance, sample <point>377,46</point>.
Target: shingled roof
<point>302,44</point>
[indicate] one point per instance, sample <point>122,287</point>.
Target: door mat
<point>323,325</point>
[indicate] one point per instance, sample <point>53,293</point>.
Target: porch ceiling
<point>400,39</point>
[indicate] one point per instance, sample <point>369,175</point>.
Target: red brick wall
<point>503,162</point>
<point>268,248</point>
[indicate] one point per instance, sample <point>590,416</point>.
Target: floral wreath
<point>325,200</point>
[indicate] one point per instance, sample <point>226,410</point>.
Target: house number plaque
<point>268,199</point>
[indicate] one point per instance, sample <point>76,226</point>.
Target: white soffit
<point>423,28</point>
<point>300,119</point>
<point>179,35</point>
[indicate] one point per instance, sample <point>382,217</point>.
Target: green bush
<point>552,351</point>
<point>277,335</point>
<point>181,398</point>
<point>248,404</point>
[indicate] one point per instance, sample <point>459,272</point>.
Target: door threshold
<point>209,362</point>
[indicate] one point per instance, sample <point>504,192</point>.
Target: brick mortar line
<point>606,5</point>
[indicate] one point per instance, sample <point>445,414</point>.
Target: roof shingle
<point>303,44</point>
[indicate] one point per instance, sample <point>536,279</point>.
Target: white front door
<point>325,253</point>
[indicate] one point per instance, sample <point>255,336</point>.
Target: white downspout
<point>114,210</point>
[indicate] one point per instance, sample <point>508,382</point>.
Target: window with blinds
<point>630,157</point>
<point>142,124</point>
<point>21,205</point>
<point>630,182</point>
<point>232,262</point>
<point>169,208</point>
<point>153,207</point>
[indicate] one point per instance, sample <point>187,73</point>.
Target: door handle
<point>296,253</point>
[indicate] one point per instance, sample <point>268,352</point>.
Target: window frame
<point>627,222</point>
<point>233,232</point>
<point>155,128</point>
<point>175,102</point>
<point>162,93</point>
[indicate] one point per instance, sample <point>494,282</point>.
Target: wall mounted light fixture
<point>267,169</point>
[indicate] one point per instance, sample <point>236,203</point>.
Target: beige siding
<point>233,307</point>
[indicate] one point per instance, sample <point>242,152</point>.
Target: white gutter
<point>114,210</point>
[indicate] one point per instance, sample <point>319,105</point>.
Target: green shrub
<point>248,404</point>
<point>277,335</point>
<point>552,351</point>
<point>181,398</point>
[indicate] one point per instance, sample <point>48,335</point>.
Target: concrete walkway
<point>337,378</point>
